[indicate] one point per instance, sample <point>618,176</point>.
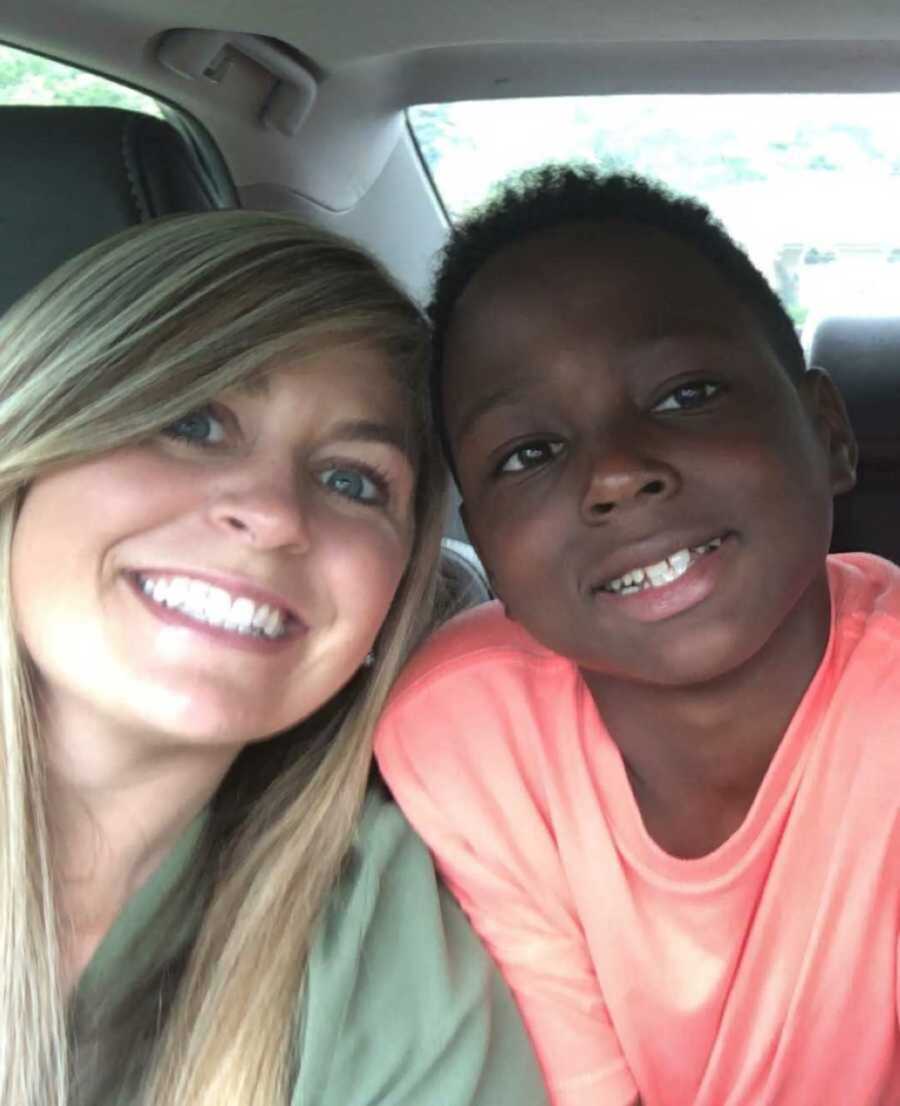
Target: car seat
<point>862,356</point>
<point>74,175</point>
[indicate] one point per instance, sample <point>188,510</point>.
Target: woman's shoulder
<point>402,1003</point>
<point>388,880</point>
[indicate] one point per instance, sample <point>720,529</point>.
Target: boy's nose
<point>619,482</point>
<point>266,514</point>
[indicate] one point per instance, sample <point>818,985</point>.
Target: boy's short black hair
<point>557,195</point>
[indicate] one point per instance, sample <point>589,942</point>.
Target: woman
<point>219,517</point>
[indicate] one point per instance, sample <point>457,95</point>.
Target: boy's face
<point>612,407</point>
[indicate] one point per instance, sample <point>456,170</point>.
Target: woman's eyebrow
<point>370,430</point>
<point>253,386</point>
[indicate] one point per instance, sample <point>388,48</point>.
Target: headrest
<point>463,581</point>
<point>72,176</point>
<point>862,356</point>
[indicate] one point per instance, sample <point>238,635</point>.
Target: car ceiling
<point>371,60</point>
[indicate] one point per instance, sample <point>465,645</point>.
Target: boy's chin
<point>706,656</point>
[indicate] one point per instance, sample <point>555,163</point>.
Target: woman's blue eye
<point>200,427</point>
<point>530,455</point>
<point>687,397</point>
<point>353,484</point>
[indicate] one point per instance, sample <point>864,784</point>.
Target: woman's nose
<point>622,480</point>
<point>266,510</point>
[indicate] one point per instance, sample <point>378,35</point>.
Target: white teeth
<point>215,606</point>
<point>661,573</point>
<point>195,600</point>
<point>679,561</point>
<point>272,627</point>
<point>709,547</point>
<point>259,619</point>
<point>178,589</point>
<point>239,615</point>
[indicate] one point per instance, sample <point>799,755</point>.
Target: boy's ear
<point>827,407</point>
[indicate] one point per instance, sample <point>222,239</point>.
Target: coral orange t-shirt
<point>762,974</point>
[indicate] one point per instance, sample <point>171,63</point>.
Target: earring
<point>370,659</point>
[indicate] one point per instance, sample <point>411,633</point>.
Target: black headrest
<point>72,176</point>
<point>862,356</point>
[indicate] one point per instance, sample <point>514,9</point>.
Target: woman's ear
<point>829,411</point>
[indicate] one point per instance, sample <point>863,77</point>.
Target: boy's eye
<point>354,484</point>
<point>530,456</point>
<point>199,427</point>
<point>686,397</point>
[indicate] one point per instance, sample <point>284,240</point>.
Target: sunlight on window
<point>809,184</point>
<point>29,79</point>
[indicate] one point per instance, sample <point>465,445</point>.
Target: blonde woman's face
<point>223,580</point>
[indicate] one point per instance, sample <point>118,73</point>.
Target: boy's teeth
<point>214,605</point>
<point>661,573</point>
<point>680,560</point>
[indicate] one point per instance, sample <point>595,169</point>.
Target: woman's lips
<point>271,635</point>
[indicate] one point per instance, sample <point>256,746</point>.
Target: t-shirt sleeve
<point>467,790</point>
<point>403,1006</point>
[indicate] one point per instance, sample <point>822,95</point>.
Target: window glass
<point>808,184</point>
<point>30,79</point>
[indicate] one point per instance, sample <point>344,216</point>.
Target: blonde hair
<point>111,348</point>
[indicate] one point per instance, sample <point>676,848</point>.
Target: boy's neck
<point>696,756</point>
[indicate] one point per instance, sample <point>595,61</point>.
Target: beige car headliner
<point>372,59</point>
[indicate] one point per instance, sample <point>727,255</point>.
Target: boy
<point>662,777</point>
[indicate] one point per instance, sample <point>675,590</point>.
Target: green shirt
<point>402,1004</point>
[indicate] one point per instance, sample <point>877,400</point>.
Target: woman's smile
<point>238,615</point>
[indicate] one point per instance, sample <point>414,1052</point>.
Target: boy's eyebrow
<point>507,396</point>
<point>511,393</point>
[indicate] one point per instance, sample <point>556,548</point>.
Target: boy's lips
<point>674,583</point>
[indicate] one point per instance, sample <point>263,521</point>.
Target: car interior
<point>385,122</point>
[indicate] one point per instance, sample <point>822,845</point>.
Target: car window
<point>808,184</point>
<point>27,78</point>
